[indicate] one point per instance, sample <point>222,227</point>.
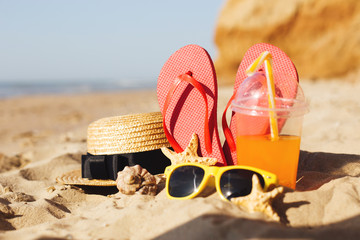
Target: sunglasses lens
<point>185,180</point>
<point>238,183</point>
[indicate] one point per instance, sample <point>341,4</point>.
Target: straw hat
<point>116,142</point>
<point>74,178</point>
<point>126,134</point>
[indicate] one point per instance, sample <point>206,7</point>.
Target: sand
<point>43,137</point>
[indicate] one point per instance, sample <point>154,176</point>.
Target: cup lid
<point>252,97</point>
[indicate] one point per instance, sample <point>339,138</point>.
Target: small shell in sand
<point>258,200</point>
<point>136,178</point>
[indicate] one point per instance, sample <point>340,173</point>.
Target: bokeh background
<point>322,37</point>
<point>124,42</point>
<point>89,45</point>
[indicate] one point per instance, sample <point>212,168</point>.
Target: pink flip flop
<point>285,87</point>
<point>187,95</point>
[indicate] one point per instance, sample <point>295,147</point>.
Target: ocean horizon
<point>10,89</point>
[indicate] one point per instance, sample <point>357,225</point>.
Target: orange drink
<point>268,135</point>
<point>278,156</point>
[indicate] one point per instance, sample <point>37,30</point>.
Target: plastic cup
<point>254,145</point>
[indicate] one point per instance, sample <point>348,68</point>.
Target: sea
<point>11,89</point>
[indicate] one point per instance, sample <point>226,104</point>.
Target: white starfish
<point>258,200</point>
<point>189,154</point>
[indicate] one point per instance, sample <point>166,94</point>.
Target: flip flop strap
<point>189,79</point>
<point>227,132</point>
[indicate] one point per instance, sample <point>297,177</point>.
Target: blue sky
<point>43,40</point>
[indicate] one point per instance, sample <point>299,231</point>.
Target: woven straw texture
<point>126,134</point>
<point>74,178</point>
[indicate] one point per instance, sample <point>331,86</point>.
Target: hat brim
<point>74,178</point>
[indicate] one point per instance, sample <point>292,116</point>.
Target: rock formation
<point>322,37</point>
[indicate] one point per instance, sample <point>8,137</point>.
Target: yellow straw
<point>266,58</point>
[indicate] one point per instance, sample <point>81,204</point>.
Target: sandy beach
<point>43,137</point>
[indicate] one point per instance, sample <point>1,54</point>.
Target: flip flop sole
<point>286,87</point>
<point>187,109</point>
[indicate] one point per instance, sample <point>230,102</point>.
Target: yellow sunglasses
<point>188,180</point>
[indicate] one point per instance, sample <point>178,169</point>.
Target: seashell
<point>258,200</point>
<point>136,178</point>
<point>189,155</point>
